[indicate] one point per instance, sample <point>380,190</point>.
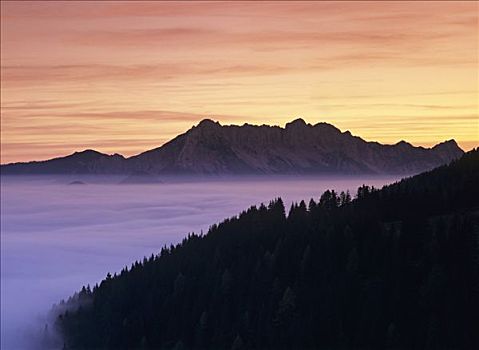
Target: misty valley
<point>62,232</point>
<point>241,262</point>
<point>389,268</point>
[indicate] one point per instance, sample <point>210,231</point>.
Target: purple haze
<point>56,237</point>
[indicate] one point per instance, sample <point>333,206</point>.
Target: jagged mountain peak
<point>86,152</point>
<point>208,123</point>
<point>403,144</point>
<point>298,122</point>
<point>450,144</point>
<point>323,126</point>
<point>91,153</point>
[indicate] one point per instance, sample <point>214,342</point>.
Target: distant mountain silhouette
<point>85,162</point>
<point>299,148</point>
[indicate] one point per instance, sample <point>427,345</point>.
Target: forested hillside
<point>396,268</point>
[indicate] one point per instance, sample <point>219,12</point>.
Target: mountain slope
<point>85,162</point>
<point>395,268</point>
<point>299,148</point>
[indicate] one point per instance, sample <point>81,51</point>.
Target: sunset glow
<point>124,77</point>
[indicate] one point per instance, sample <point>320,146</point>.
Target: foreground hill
<point>299,148</point>
<point>395,268</point>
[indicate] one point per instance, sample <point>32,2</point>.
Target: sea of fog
<point>57,237</point>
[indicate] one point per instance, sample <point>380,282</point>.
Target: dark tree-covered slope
<point>214,149</point>
<point>395,268</point>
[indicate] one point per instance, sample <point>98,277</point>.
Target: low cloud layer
<point>58,237</point>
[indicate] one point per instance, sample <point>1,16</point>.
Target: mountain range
<point>210,148</point>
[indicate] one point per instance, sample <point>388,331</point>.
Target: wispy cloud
<point>118,68</point>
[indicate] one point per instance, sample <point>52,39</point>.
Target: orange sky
<point>128,76</point>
